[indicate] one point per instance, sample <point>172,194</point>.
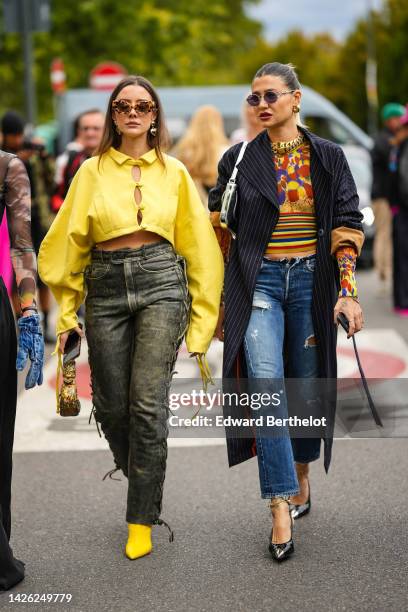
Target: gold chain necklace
<point>280,148</point>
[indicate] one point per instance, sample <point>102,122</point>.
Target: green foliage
<point>315,59</point>
<point>393,52</point>
<point>351,91</point>
<point>337,70</point>
<point>171,42</point>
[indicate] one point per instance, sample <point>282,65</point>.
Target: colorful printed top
<point>295,230</point>
<point>15,196</point>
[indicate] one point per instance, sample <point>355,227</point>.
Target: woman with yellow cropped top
<point>297,214</point>
<point>133,236</point>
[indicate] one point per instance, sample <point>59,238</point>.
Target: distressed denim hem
<point>265,495</point>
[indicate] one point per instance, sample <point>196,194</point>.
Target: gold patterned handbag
<point>68,403</point>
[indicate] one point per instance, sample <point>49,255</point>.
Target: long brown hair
<point>202,145</point>
<point>110,138</point>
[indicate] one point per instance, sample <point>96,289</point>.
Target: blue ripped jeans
<point>281,319</point>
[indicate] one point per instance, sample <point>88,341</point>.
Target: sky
<point>310,16</point>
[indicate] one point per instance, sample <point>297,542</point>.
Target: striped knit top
<point>295,231</point>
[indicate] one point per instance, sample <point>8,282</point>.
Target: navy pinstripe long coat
<point>336,205</point>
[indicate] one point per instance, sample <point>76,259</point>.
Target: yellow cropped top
<point>100,205</point>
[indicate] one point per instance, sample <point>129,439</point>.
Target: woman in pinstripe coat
<point>290,273</point>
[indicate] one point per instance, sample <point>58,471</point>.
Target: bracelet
<point>33,308</point>
<point>353,297</point>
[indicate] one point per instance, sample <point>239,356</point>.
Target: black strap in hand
<point>342,319</point>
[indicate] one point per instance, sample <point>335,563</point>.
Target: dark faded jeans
<point>137,312</point>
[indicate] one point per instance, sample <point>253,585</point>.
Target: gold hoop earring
<point>296,108</point>
<point>153,128</point>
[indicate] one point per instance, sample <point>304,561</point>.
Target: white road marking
<point>39,428</point>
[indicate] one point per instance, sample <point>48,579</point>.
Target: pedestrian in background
<point>297,215</point>
<point>40,169</point>
<point>202,147</point>
<point>250,128</point>
<point>88,128</point>
<point>15,200</point>
<point>134,236</point>
<point>381,193</point>
<point>400,220</point>
<point>250,125</point>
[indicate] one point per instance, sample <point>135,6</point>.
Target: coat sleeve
<point>65,251</point>
<point>347,228</point>
<point>196,242</point>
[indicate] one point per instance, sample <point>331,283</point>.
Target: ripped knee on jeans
<point>261,304</point>
<point>310,341</point>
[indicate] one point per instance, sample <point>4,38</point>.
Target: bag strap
<point>240,156</point>
<point>373,409</point>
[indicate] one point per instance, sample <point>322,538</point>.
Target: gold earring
<point>153,128</point>
<point>296,108</point>
<point>117,129</point>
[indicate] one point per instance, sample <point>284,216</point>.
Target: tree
<point>315,59</point>
<point>170,42</point>
<point>393,52</point>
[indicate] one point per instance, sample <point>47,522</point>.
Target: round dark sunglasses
<point>270,96</point>
<point>141,106</point>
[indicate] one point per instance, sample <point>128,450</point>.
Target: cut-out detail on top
<point>137,195</point>
<point>136,173</point>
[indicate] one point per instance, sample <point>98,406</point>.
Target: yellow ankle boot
<point>139,540</point>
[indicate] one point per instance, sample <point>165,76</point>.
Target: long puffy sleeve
<point>196,242</point>
<point>65,251</point>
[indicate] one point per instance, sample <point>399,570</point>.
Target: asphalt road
<point>351,550</point>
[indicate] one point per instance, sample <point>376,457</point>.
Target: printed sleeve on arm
<point>65,251</point>
<point>346,259</point>
<point>196,242</point>
<point>18,207</point>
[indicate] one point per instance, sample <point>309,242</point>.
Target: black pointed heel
<point>280,552</point>
<point>298,510</point>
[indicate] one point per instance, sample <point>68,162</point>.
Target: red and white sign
<point>106,76</point>
<point>57,75</point>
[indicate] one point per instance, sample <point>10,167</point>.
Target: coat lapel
<point>321,179</point>
<point>258,167</point>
